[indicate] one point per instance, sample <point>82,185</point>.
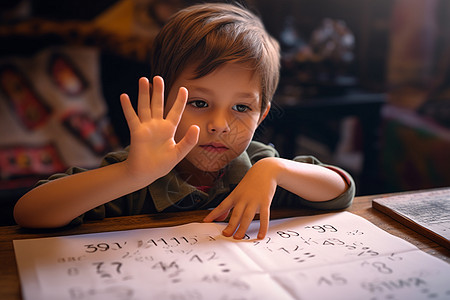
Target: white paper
<point>337,255</point>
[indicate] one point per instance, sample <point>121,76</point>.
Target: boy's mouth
<point>214,147</point>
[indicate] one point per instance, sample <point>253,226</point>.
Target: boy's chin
<point>211,168</point>
<point>213,164</point>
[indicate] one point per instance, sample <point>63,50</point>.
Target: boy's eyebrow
<point>247,95</point>
<point>199,89</point>
<point>251,96</point>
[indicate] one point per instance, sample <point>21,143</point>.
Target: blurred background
<point>365,85</point>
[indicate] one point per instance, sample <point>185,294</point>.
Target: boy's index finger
<point>211,216</point>
<point>217,212</point>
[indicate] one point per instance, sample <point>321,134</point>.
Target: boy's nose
<point>218,125</point>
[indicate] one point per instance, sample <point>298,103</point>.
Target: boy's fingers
<point>264,217</point>
<point>128,111</point>
<point>234,221</point>
<point>144,99</point>
<point>157,103</point>
<point>246,219</point>
<point>223,216</point>
<point>177,109</point>
<point>188,141</point>
<point>221,209</point>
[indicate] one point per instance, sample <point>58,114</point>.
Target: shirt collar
<point>169,189</point>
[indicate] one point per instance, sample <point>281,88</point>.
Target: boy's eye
<point>241,108</point>
<point>198,103</point>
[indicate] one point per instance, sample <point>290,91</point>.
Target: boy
<point>191,142</point>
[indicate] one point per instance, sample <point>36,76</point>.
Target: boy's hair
<point>210,35</point>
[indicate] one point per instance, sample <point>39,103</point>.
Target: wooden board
<point>428,212</point>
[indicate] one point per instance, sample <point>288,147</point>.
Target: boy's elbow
<point>31,218</point>
<point>25,218</point>
<point>37,223</point>
<point>20,213</point>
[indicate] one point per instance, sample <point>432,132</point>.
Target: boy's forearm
<point>311,182</point>
<point>58,202</point>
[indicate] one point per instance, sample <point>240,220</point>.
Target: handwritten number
<point>103,247</point>
<point>213,256</point>
<point>333,280</point>
<point>118,266</point>
<point>330,228</point>
<point>90,248</point>
<point>163,266</point>
<point>379,266</point>
<point>175,239</point>
<point>287,234</point>
<point>333,242</point>
<point>382,268</point>
<point>98,266</point>
<point>324,228</point>
<point>196,257</point>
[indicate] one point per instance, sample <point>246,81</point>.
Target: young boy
<point>194,150</point>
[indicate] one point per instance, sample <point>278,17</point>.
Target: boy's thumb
<point>189,140</point>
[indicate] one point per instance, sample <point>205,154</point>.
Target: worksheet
<point>329,256</point>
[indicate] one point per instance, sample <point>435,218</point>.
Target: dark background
<point>321,106</point>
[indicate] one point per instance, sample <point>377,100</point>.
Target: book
<point>426,212</point>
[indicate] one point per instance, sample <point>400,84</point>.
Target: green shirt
<point>171,193</point>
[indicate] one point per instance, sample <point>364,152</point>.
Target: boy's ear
<point>264,115</point>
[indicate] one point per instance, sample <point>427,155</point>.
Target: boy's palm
<point>153,150</point>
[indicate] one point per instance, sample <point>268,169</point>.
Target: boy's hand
<point>153,150</point>
<point>253,194</point>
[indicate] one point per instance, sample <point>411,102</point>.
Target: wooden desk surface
<point>362,206</point>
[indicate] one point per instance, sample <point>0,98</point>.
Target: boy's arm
<point>153,153</point>
<point>256,190</point>
<point>57,202</point>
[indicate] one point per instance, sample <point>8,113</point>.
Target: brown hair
<point>211,35</point>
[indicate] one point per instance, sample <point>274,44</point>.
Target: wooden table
<point>362,206</point>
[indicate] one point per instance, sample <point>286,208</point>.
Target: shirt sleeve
<point>284,198</point>
<point>257,150</point>
<point>127,205</point>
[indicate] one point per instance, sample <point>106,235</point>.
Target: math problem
<point>338,256</point>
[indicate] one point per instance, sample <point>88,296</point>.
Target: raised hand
<point>153,150</point>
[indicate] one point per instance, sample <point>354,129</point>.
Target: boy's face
<point>226,105</point>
